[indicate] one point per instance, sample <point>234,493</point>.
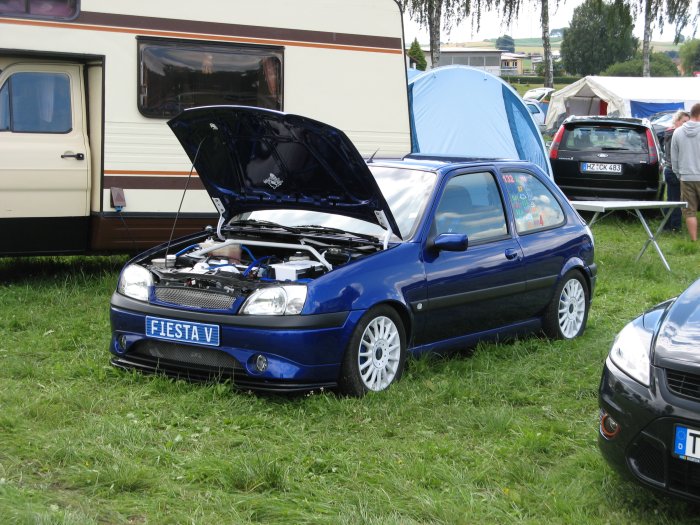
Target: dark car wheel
<point>566,315</point>
<point>376,354</point>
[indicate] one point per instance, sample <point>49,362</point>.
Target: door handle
<point>512,254</point>
<point>76,156</point>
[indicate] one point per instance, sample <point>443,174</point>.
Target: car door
<point>479,288</point>
<point>44,174</point>
<point>547,240</point>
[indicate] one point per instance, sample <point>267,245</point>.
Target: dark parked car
<point>650,398</point>
<point>606,158</point>
<point>326,271</point>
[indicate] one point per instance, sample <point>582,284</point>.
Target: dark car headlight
<point>134,282</point>
<point>276,300</point>
<point>631,352</point>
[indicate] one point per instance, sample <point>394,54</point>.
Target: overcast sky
<point>527,25</point>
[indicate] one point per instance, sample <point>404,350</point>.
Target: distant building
<point>515,64</point>
<point>486,58</point>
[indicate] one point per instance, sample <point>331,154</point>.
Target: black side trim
<point>542,282</point>
<point>44,235</point>
<point>276,322</point>
<point>470,297</point>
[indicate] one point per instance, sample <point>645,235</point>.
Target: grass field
<point>503,434</point>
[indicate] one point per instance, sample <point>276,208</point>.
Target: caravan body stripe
<point>173,28</point>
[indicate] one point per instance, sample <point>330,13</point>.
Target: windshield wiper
<point>329,229</point>
<point>615,148</point>
<point>263,224</point>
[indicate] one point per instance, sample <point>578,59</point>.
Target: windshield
<point>406,192</point>
<point>597,138</point>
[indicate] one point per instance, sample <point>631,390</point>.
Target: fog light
<point>608,426</point>
<point>261,363</point>
<point>121,342</point>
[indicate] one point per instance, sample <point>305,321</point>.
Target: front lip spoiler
<point>200,374</point>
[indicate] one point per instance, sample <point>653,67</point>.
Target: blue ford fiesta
<point>326,271</point>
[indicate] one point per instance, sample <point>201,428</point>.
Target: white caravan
<point>87,161</point>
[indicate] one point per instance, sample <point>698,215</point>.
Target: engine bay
<point>241,265</point>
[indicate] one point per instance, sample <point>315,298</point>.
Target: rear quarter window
<point>534,207</point>
<point>598,138</point>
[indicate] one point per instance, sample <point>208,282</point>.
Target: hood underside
<point>254,159</point>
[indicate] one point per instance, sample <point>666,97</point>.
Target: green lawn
<point>506,434</point>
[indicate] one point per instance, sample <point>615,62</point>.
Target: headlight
<point>276,300</point>
<point>134,282</point>
<point>631,353</point>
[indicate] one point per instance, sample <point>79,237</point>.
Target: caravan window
<point>179,75</point>
<point>36,103</point>
<point>55,9</point>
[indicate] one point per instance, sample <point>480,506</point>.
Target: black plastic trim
<point>238,378</point>
<point>270,322</point>
<point>470,297</point>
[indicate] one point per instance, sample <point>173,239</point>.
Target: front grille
<point>194,298</point>
<point>193,355</point>
<point>647,459</point>
<point>684,476</point>
<point>683,384</point>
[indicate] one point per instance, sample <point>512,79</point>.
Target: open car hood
<point>254,159</point>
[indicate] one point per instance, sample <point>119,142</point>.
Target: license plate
<point>182,331</point>
<point>601,167</point>
<point>687,444</point>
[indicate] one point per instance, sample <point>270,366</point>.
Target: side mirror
<point>451,242</point>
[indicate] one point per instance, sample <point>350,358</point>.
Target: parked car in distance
<point>538,94</point>
<point>538,115</point>
<point>660,122</point>
<point>326,271</point>
<point>650,398</point>
<point>606,158</point>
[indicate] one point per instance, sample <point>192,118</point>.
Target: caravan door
<point>44,172</point>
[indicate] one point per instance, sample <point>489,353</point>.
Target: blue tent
<point>467,112</point>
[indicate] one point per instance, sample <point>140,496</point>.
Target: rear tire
<point>567,314</point>
<point>376,354</point>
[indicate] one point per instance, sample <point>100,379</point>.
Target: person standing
<point>673,184</point>
<point>685,162</point>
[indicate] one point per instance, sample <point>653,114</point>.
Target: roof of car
<point>601,119</point>
<point>438,162</point>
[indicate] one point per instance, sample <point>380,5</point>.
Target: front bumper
<point>642,448</point>
<point>301,352</point>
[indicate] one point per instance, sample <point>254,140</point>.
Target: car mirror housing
<point>451,242</point>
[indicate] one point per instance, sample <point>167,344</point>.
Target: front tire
<point>567,314</point>
<point>376,353</point>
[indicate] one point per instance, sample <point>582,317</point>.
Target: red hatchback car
<point>606,158</point>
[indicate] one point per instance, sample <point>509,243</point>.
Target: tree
<point>557,67</point>
<point>505,43</point>
<point>416,53</point>
<point>430,13</point>
<point>510,9</point>
<point>690,56</point>
<point>676,12</point>
<point>600,34</point>
<point>661,66</point>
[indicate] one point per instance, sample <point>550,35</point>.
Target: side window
<point>471,204</point>
<point>36,103</point>
<point>178,75</point>
<point>534,206</point>
<point>53,9</point>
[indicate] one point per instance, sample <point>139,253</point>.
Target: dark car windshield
<point>406,192</point>
<point>601,138</point>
